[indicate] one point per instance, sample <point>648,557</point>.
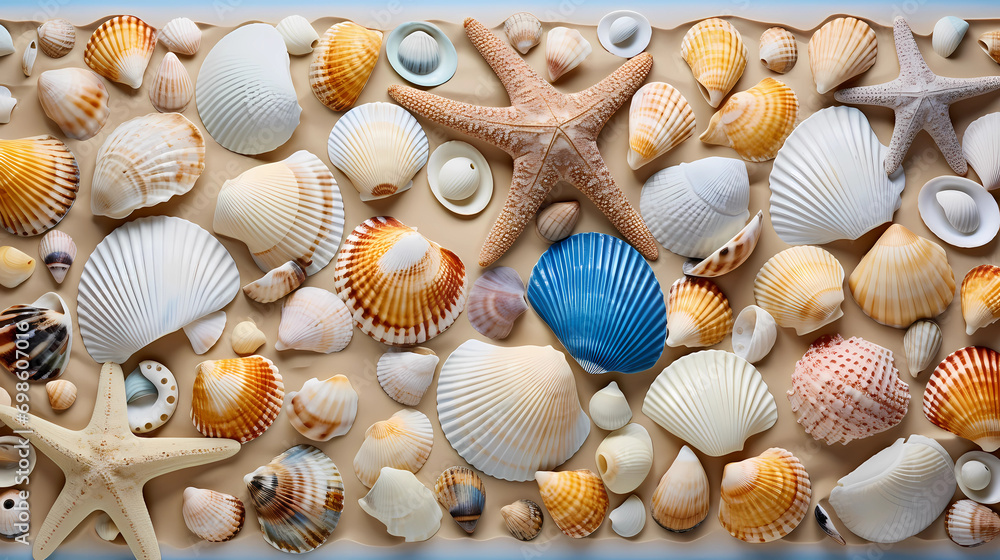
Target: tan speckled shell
<point>802,288</point>
<point>698,313</point>
<point>323,410</point>
<point>970,524</point>
<point>659,119</point>
<point>990,43</point>
<point>765,497</point>
<point>731,255</point>
<point>681,500</point>
<point>120,49</point>
<point>840,50</point>
<point>576,500</point>
<point>56,37</point>
<point>523,519</point>
<point>62,394</point>
<point>963,396</point>
<point>714,50</point>
<point>42,177</point>
<point>755,122</point>
<point>404,441</point>
<point>212,516</point>
<point>171,89</point>
<point>76,99</point>
<point>237,398</point>
<point>778,50</point>
<point>981,297</point>
<point>557,220</point>
<point>344,59</point>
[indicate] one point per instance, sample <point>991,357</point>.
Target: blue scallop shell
<point>602,301</point>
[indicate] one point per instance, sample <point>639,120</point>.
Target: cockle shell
<point>105,527</point>
<point>524,31</point>
<point>730,256</point>
<point>247,337</point>
<point>556,221</point>
<point>778,50</point>
<point>171,89</point>
<point>576,500</point>
<point>826,524</point>
<point>237,398</point>
<point>981,297</point>
<point>41,179</point>
<point>462,493</point>
<point>76,99</point>
<point>323,410</point>
<point>921,344</point>
<point>970,524</point>
<point>659,119</point>
<point>629,518</point>
<point>7,104</point>
<point>978,476</point>
<point>401,502</point>
<point>714,50</point>
<point>421,53</point>
<point>16,266</point>
<point>958,210</point>
<point>203,333</point>
<point>624,458</point>
<point>990,43</point>
<point>316,320</point>
<point>840,50</point>
<point>36,339</point>
<point>755,122</point>
<point>212,516</point>
<point>681,500</point>
<point>298,34</point>
<point>28,58</point>
<point>496,301</point>
<point>58,251</point>
<point>802,288</point>
<point>948,34</point>
<point>405,375</point>
<point>609,408</point>
<point>7,44</point>
<point>343,61</point>
<point>754,334</point>
<point>624,33</point>
<point>404,441</point>
<point>277,283</point>
<point>961,396</point>
<point>565,49</point>
<point>61,393</point>
<point>150,379</point>
<point>765,497</point>
<point>980,145</point>
<point>523,519</point>
<point>698,313</point>
<point>56,37</point>
<point>181,35</point>
<point>120,49</point>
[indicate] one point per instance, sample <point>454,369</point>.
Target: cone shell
<point>948,34</point>
<point>76,99</point>
<point>755,122</point>
<point>778,50</point>
<point>698,313</point>
<point>681,500</point>
<point>58,251</point>
<point>659,119</point>
<point>212,516</point>
<point>41,179</point>
<point>764,498</point>
<point>181,35</point>
<point>203,333</point>
<point>963,396</point>
<point>609,408</point>
<point>39,335</point>
<point>981,297</point>
<point>730,256</point>
<point>171,89</point>
<point>802,288</point>
<point>990,43</point>
<point>323,410</point>
<point>714,50</point>
<point>403,504</point>
<point>576,500</point>
<point>344,59</point>
<point>404,441</point>
<point>557,220</point>
<point>16,266</point>
<point>120,49</point>
<point>565,49</point>
<point>970,524</point>
<point>316,320</point>
<point>247,338</point>
<point>401,287</point>
<point>496,301</point>
<point>921,344</point>
<point>237,398</point>
<point>56,37</point>
<point>298,34</point>
<point>624,458</point>
<point>463,494</point>
<point>840,50</point>
<point>523,519</point>
<point>524,31</point>
<point>405,375</point>
<point>277,283</point>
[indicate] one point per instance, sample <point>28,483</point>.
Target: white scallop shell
<point>299,35</point>
<point>405,375</point>
<point>7,43</point>
<point>754,334</point>
<point>565,49</point>
<point>316,320</point>
<point>323,410</point>
<point>205,332</point>
<point>981,144</point>
<point>171,89</point>
<point>523,30</point>
<point>629,518</point>
<point>406,507</point>
<point>940,213</point>
<point>921,344</point>
<point>624,458</point>
<point>181,35</point>
<point>978,476</point>
<point>609,408</point>
<point>7,104</point>
<point>948,34</point>
<point>147,414</point>
<point>419,53</point>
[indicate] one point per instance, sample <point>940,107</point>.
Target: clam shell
<point>323,410</point>
<point>523,519</point>
<point>406,507</point>
<point>237,398</point>
<point>765,497</point>
<point>482,393</point>
<point>689,396</point>
<point>754,334</point>
<point>277,283</point>
<point>755,122</point>
<point>7,104</point>
<point>61,393</point>
<point>56,37</point>
<point>75,99</point>
<point>524,31</point>
<point>39,335</point>
<point>203,333</point>
<point>58,251</point>
<point>624,458</point>
<point>212,516</point>
<point>16,266</point>
<point>948,34</point>
<point>247,338</point>
<point>42,179</point>
<point>13,503</point>
<point>401,287</point>
<point>13,466</point>
<point>947,204</point>
<point>981,143</point>
<point>960,210</point>
<point>990,43</point>
<point>730,256</point>
<point>496,301</point>
<point>7,43</point>
<point>659,119</point>
<point>150,378</point>
<point>680,502</point>
<point>404,441</point>
<point>28,58</point>
<point>629,518</point>
<point>840,50</point>
<point>557,220</point>
<point>622,29</point>
<point>826,524</point>
<point>978,476</point>
<point>698,313</point>
<point>970,524</point>
<point>298,34</point>
<point>460,491</point>
<point>120,49</point>
<point>778,50</point>
<point>802,288</point>
<point>921,344</point>
<point>609,408</point>
<point>343,61</point>
<point>460,178</point>
<point>421,53</point>
<point>316,320</point>
<point>961,396</point>
<point>981,297</point>
<point>171,89</point>
<point>565,49</point>
<point>624,33</point>
<point>715,52</point>
<point>181,35</point>
<point>576,500</point>
<point>405,375</point>
<point>105,527</point>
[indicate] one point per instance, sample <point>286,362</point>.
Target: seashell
<point>75,99</point>
<point>778,50</point>
<point>120,49</point>
<point>622,29</point>
<point>523,518</point>
<point>181,35</point>
<point>765,497</point>
<point>976,475</point>
<point>205,332</point>
<point>687,396</point>
<point>565,49</point>
<point>145,161</point>
<point>15,266</point>
<point>698,313</point>
<point>14,504</point>
<point>629,518</point>
<point>405,375</point>
<point>609,408</point>
<point>28,58</point>
<point>730,256</point>
<point>41,178</point>
<point>959,211</point>
<point>343,61</point>
<point>482,393</point>
<point>421,53</point>
<point>315,320</point>
<point>56,37</point>
<point>212,516</point>
<point>524,31</point>
<point>921,344</point>
<point>980,144</point>
<point>961,396</point>
<point>576,500</point>
<point>7,104</point>
<point>496,301</point>
<point>624,458</point>
<point>17,460</point>
<point>404,441</point>
<point>237,398</point>
<point>460,178</point>
<point>659,119</point>
<point>403,504</point>
<point>277,283</point>
<point>323,410</point>
<point>981,297</point>
<point>557,220</point>
<point>247,338</point>
<point>62,394</point>
<point>290,210</point>
<point>105,527</point>
<point>903,278</point>
<point>898,492</point>
<point>802,288</point>
<point>970,524</point>
<point>380,147</point>
<point>7,43</point>
<point>150,378</point>
<point>462,493</point>
<point>715,52</point>
<point>58,251</point>
<point>844,390</point>
<point>299,497</point>
<point>840,50</point>
<point>401,287</point>
<point>171,89</point>
<point>298,34</point>
<point>828,182</point>
<point>602,301</point>
<point>826,524</point>
<point>754,334</point>
<point>990,43</point>
<point>680,502</point>
<point>755,122</point>
<point>244,93</point>
<point>39,335</point>
<point>948,33</point>
<point>692,209</point>
<point>624,33</point>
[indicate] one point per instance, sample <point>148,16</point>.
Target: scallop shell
<point>961,396</point>
<point>171,89</point>
<point>698,313</point>
<point>714,50</point>
<point>524,31</point>
<point>948,34</point>
<point>13,504</point>
<point>629,518</point>
<point>56,37</point>
<point>205,332</point>
<point>659,119</point>
<point>576,500</point>
<point>247,338</point>
<point>7,104</point>
<point>244,93</point>
<point>299,497</point>
<point>624,458</point>
<point>75,99</point>
<point>754,334</point>
<point>523,519</point>
<point>765,497</point>
<point>150,378</point>
<point>981,143</point>
<point>990,43</point>
<point>755,122</point>
<point>824,522</point>
<point>237,398</point>
<point>840,50</point>
<point>778,50</point>
<point>181,35</point>
<point>557,220</point>
<point>298,34</point>
<point>959,211</point>
<point>343,61</point>
<point>689,396</point>
<point>7,43</point>
<point>898,492</point>
<point>289,210</point>
<point>39,335</point>
<point>802,288</point>
<point>316,320</point>
<point>421,53</point>
<point>844,390</point>
<point>680,502</point>
<point>609,408</point>
<point>323,410</point>
<point>41,178</point>
<point>970,524</point>
<point>921,344</point>
<point>405,375</point>
<point>977,473</point>
<point>403,504</point>
<point>105,527</point>
<point>380,147</point>
<point>58,251</point>
<point>61,393</point>
<point>462,493</point>
<point>496,301</point>
<point>981,297</point>
<point>903,278</point>
<point>16,266</point>
<point>120,49</point>
<point>692,209</point>
<point>13,465</point>
<point>565,49</point>
<point>28,58</point>
<point>602,301</point>
<point>730,256</point>
<point>404,441</point>
<point>277,283</point>
<point>212,516</point>
<point>401,287</point>
<point>482,393</point>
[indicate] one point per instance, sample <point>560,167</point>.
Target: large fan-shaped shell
<point>802,288</point>
<point>840,50</point>
<point>981,145</point>
<point>659,119</point>
<point>698,313</point>
<point>212,516</point>
<point>730,256</point>
<point>171,89</point>
<point>681,500</point>
<point>40,180</point>
<point>344,59</point>
<point>981,297</point>
<point>36,339</point>
<point>322,410</point>
<point>404,441</point>
<point>237,398</point>
<point>316,320</point>
<point>576,500</point>
<point>406,507</point>
<point>120,49</point>
<point>755,122</point>
<point>778,50</point>
<point>963,396</point>
<point>714,50</point>
<point>76,99</point>
<point>765,497</point>
<point>496,301</point>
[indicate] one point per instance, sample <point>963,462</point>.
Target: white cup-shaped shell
<point>247,337</point>
<point>624,458</point>
<point>401,502</point>
<point>405,375</point>
<point>948,34</point>
<point>609,408</point>
<point>944,205</point>
<point>754,334</point>
<point>299,35</point>
<point>978,476</point>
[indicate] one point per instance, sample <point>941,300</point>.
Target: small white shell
<point>460,177</point>
<point>624,458</point>
<point>978,476</point>
<point>921,344</point>
<point>150,378</point>
<point>754,334</point>
<point>622,28</point>
<point>948,33</point>
<point>205,332</point>
<point>7,43</point>
<point>565,49</point>
<point>28,58</point>
<point>316,320</point>
<point>523,30</point>
<point>299,35</point>
<point>7,104</point>
<point>940,214</point>
<point>960,209</point>
<point>405,375</point>
<point>609,408</point>
<point>419,53</point>
<point>171,89</point>
<point>106,528</point>
<point>13,466</point>
<point>624,33</point>
<point>981,144</point>
<point>629,518</point>
<point>181,35</point>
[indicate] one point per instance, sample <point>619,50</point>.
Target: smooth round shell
<point>16,266</point>
<point>421,53</point>
<point>246,337</point>
<point>624,33</point>
<point>629,518</point>
<point>609,409</point>
<point>624,458</point>
<point>978,476</point>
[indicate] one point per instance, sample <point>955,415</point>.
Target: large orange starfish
<point>552,137</point>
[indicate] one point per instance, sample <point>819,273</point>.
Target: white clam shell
<point>978,476</point>
<point>419,53</point>
<point>936,216</point>
<point>147,414</point>
<point>181,35</point>
<point>76,99</point>
<point>323,410</point>
<point>624,33</point>
<point>624,458</point>
<point>316,320</point>
<point>622,29</point>
<point>406,507</point>
<point>7,104</point>
<point>921,344</point>
<point>629,518</point>
<point>754,334</point>
<point>609,408</point>
<point>405,375</point>
<point>205,332</point>
<point>948,34</point>
<point>7,43</point>
<point>960,209</point>
<point>523,30</point>
<point>15,453</point>
<point>28,58</point>
<point>981,145</point>
<point>404,441</point>
<point>565,49</point>
<point>299,35</point>
<point>171,89</point>
<point>449,177</point>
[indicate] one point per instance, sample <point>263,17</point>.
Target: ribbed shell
<point>840,50</point>
<point>990,43</point>
<point>629,518</point>
<point>40,179</point>
<point>921,344</point>
<point>524,31</point>
<point>277,283</point>
<point>120,49</point>
<point>298,34</point>
<point>406,507</point>
<point>203,333</point>
<point>609,409</point>
<point>323,410</point>
<point>681,499</point>
<point>557,220</point>
<point>755,122</point>
<point>212,516</point>
<point>181,35</point>
<point>405,375</point>
<point>58,251</point>
<point>659,119</point>
<point>698,313</point>
<point>624,458</point>
<point>56,37</point>
<point>61,393</point>
<point>963,396</point>
<point>419,53</point>
<point>404,441</point>
<point>75,99</point>
<point>171,89</point>
<point>802,288</point>
<point>496,301</point>
<point>344,59</point>
<point>970,524</point>
<point>730,256</point>
<point>948,34</point>
<point>765,497</point>
<point>714,50</point>
<point>576,500</point>
<point>565,49</point>
<point>778,50</point>
<point>316,320</point>
<point>237,398</point>
<point>523,519</point>
<point>981,146</point>
<point>463,494</point>
<point>39,335</point>
<point>981,297</point>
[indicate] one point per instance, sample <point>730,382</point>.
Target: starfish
<point>552,137</point>
<point>921,100</point>
<point>106,467</point>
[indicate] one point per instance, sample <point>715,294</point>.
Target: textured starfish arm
<point>167,455</point>
<point>51,439</point>
<point>964,88</point>
<point>903,133</point>
<point>943,133</point>
<point>880,96</point>
<point>485,123</point>
<point>519,79</point>
<point>523,200</point>
<point>610,93</point>
<point>135,525</point>
<point>68,511</point>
